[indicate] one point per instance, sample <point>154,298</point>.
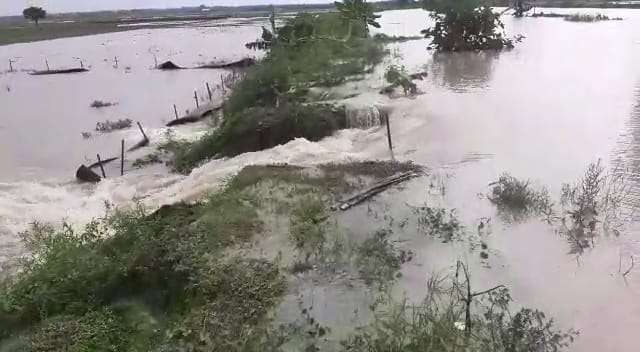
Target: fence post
<point>101,167</point>
<point>122,159</point>
<point>209,91</point>
<point>388,132</point>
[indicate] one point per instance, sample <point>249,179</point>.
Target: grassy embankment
<point>169,281</point>
<point>271,105</point>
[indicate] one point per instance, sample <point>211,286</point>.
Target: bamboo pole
<point>142,131</point>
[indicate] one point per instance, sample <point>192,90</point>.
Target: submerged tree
<point>358,11</point>
<point>34,14</point>
<point>465,25</point>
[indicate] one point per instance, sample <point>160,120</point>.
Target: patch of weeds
<point>577,17</point>
<point>449,320</point>
<point>237,297</point>
<point>598,202</point>
<point>101,330</point>
<point>438,222</point>
<point>378,260</point>
<point>517,199</point>
<point>383,38</point>
<point>150,159</point>
<point>397,76</point>
<point>110,126</point>
<point>101,104</point>
<point>307,226</point>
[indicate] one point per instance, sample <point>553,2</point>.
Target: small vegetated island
<point>181,278</point>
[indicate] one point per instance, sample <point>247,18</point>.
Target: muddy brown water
<point>43,116</point>
<point>566,96</point>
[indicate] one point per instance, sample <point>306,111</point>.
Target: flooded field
<point>566,96</point>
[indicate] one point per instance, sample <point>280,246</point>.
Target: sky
<point>15,7</point>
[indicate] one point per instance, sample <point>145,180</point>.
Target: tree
<point>358,11</point>
<point>465,25</point>
<point>34,14</point>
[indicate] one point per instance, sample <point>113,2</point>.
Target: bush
<point>465,25</point>
<point>444,321</point>
<point>397,76</point>
<point>378,260</point>
<point>307,228</point>
<point>519,199</point>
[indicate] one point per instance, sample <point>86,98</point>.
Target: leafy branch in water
<point>517,199</point>
<point>454,317</point>
<point>599,197</point>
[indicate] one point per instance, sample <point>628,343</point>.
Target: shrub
<point>307,228</point>
<point>378,260</point>
<point>518,198</point>
<point>465,25</point>
<point>397,76</point>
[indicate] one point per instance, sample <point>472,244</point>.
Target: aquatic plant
<point>517,199</point>
<point>101,104</point>
<point>577,17</point>
<point>454,317</point>
<point>378,260</point>
<point>110,126</point>
<point>599,201</point>
<point>307,227</point>
<point>397,76</point>
<point>438,222</point>
<point>465,25</point>
<point>384,38</point>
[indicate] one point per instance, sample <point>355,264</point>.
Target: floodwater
<point>566,96</point>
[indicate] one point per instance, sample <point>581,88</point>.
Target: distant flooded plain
<point>566,96</point>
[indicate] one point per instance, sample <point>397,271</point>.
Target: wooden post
<point>142,131</point>
<point>155,59</point>
<point>389,132</point>
<point>175,110</point>
<point>122,159</point>
<point>195,96</point>
<point>47,62</point>
<point>116,60</point>
<point>10,65</point>
<point>101,167</point>
<point>209,91</point>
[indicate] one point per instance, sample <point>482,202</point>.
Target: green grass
<point>133,281</point>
